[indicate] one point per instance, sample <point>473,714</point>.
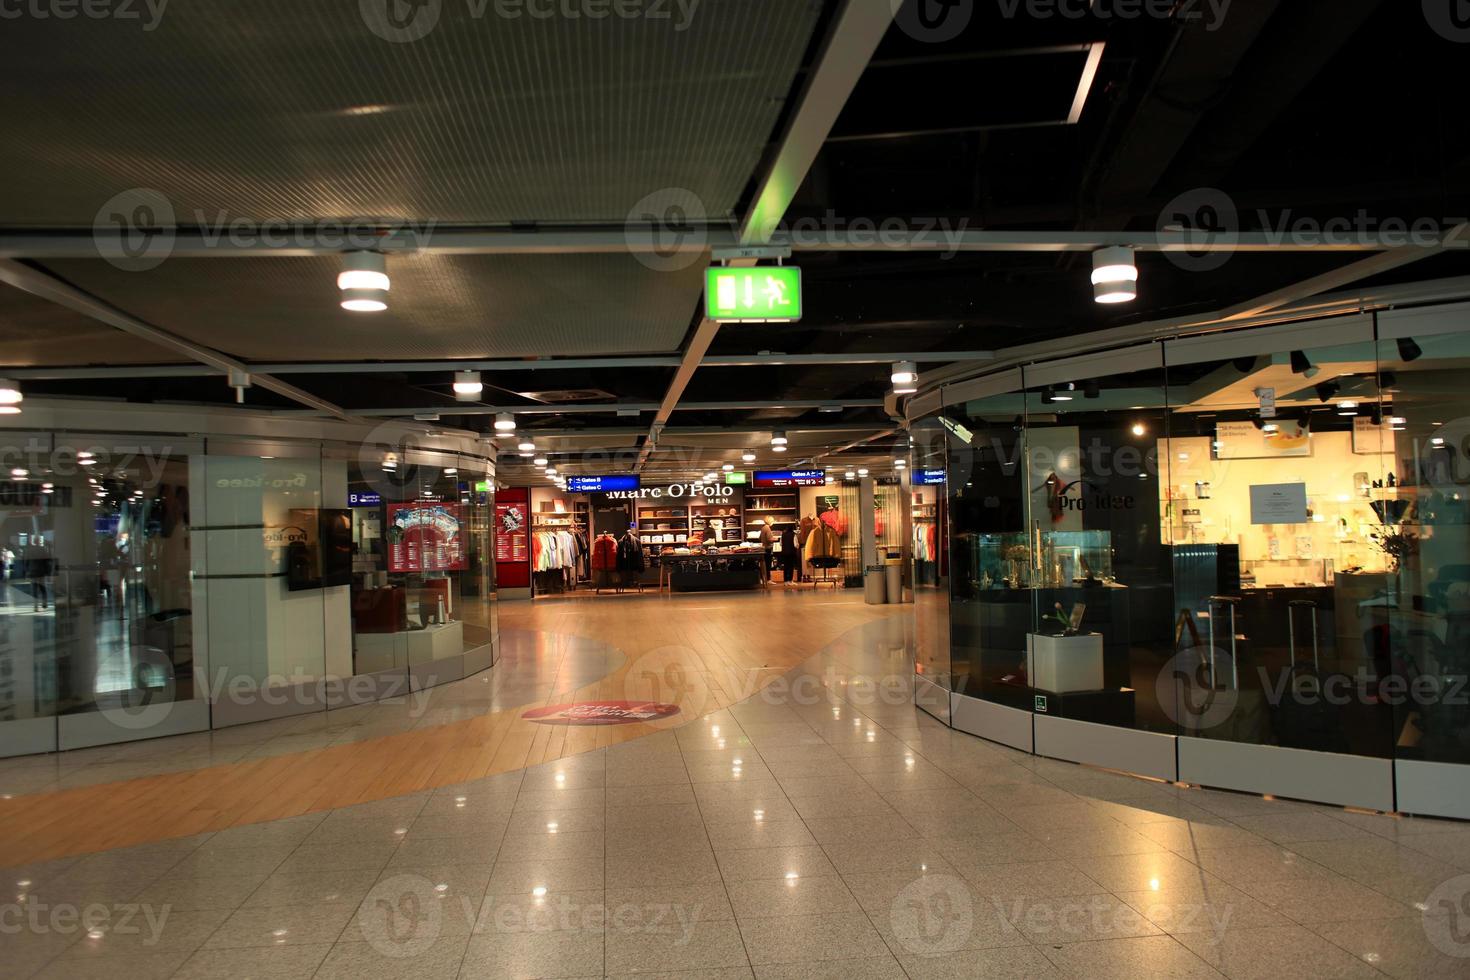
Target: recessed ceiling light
<point>748,456</point>
<point>505,422</point>
<point>778,439</point>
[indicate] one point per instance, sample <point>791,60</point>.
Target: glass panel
<point>1271,519</point>
<point>32,642</point>
<point>1100,580</point>
<point>990,607</point>
<point>1414,612</point>
<point>929,515</point>
<point>270,597</point>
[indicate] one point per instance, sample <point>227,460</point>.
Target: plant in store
<point>1397,544</point>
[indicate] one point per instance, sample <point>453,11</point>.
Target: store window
<point>1413,608</point>
<point>96,625</point>
<point>1278,469</point>
<point>928,512</point>
<point>421,579</point>
<point>1097,572</point>
<point>990,561</point>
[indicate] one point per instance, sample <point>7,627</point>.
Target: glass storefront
<point>1174,558</point>
<point>155,585</point>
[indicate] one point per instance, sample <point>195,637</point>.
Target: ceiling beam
<point>845,55</point>
<point>909,236</point>
<point>523,364</point>
<point>612,408</point>
<point>1299,301</point>
<point>48,287</point>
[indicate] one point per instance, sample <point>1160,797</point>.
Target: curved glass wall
<point>156,584</point>
<point>1173,559</point>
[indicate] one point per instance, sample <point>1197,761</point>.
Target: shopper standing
<point>790,555</point>
<point>768,546</point>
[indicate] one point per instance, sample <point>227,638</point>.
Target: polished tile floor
<point>823,828</point>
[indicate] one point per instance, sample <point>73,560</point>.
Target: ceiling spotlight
<point>467,385</point>
<point>850,475</point>
<point>1114,275</point>
<point>1387,380</point>
<point>778,439</point>
<point>905,377</point>
<point>1348,407</point>
<point>1327,390</point>
<point>505,422</point>
<point>728,467</point>
<point>526,446</point>
<point>1302,364</point>
<point>862,473</point>
<point>1064,393</point>
<point>1138,429</point>
<point>364,282</point>
<point>10,397</point>
<point>1092,389</point>
<point>1408,350</point>
<point>748,456</point>
<point>540,461</point>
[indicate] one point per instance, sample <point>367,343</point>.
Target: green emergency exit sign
<point>758,295</point>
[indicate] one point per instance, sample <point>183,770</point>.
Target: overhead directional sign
<point>602,484</point>
<point>767,294</point>
<point>775,479</point>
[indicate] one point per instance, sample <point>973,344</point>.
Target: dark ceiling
<point>1284,110</point>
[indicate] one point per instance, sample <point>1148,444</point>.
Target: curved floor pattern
<point>822,828</point>
<point>689,649</point>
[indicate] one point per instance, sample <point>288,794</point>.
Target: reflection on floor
<point>823,828</point>
<point>698,652</point>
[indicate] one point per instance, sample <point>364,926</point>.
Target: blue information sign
<point>774,479</point>
<point>603,484</point>
<point>364,499</point>
<point>929,478</point>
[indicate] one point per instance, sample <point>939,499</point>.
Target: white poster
<point>1279,503</point>
<point>1248,440</point>
<point>1370,439</point>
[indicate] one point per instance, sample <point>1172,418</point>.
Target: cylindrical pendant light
<point>1114,275</point>
<point>364,282</point>
<point>467,385</point>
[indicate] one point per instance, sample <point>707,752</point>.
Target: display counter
<point>710,572</point>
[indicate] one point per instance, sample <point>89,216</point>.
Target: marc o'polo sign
<point>601,713</point>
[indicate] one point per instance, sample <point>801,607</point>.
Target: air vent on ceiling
<point>569,395</point>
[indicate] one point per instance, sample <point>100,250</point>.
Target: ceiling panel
<point>284,110</point>
<point>38,333</point>
<point>440,306</point>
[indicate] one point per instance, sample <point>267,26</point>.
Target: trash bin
<point>873,588</point>
<point>893,573</point>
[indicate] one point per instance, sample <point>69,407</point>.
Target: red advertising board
<point>425,537</point>
<point>513,538</point>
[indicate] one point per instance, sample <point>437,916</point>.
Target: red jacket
<point>604,554</point>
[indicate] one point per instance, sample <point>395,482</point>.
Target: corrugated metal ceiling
<point>440,306</point>
<point>290,110</point>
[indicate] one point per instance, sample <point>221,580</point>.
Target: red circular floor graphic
<point>601,713</point>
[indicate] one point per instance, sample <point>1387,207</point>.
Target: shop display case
<point>1046,559</point>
